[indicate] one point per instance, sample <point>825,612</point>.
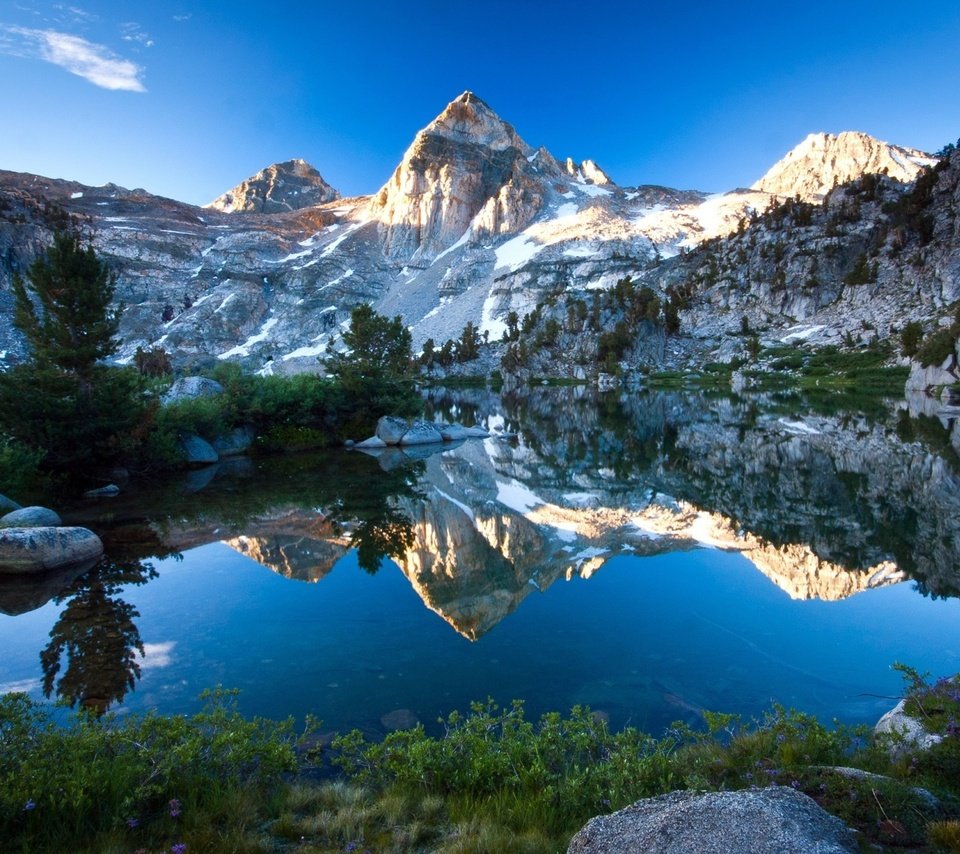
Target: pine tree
<point>65,402</point>
<point>75,327</point>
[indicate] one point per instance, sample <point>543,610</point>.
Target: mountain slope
<point>474,223</point>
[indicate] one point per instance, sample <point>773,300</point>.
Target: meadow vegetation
<point>487,780</point>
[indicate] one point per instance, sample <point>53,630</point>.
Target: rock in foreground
<point>775,820</point>
<point>39,549</point>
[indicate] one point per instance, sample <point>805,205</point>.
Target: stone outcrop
<point>762,821</point>
<point>928,378</point>
<point>27,550</point>
<point>286,186</point>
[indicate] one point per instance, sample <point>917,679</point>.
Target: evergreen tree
<point>375,375</point>
<point>65,402</point>
<point>75,327</point>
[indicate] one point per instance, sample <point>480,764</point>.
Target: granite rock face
<point>762,821</point>
<point>286,186</point>
<point>467,168</point>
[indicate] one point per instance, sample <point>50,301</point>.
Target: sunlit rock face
<point>824,160</point>
<point>467,167</point>
<point>286,186</point>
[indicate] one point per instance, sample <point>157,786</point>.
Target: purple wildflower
<point>133,823</point>
<point>795,784</point>
<point>175,809</point>
<point>179,848</point>
<point>29,805</point>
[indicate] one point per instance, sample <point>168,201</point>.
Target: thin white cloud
<point>132,32</point>
<point>88,60</point>
<point>181,18</point>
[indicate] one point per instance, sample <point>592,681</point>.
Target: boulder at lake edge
<point>421,433</point>
<point>773,820</point>
<point>37,549</point>
<point>390,429</point>
<point>31,517</point>
<point>197,451</point>
<point>237,441</point>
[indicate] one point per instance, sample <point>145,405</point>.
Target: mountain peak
<point>285,186</point>
<point>822,160</point>
<point>468,118</point>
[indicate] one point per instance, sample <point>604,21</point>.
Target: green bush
<point>937,346</point>
<point>141,781</point>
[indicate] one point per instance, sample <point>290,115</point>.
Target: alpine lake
<point>648,554</point>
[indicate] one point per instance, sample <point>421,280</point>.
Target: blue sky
<point>187,99</point>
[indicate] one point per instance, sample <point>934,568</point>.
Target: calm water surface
<point>650,556</point>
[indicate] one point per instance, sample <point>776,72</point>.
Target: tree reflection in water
<point>96,637</point>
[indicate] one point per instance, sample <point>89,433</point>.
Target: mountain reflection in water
<point>826,502</point>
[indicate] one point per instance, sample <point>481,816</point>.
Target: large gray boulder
<point>421,433</point>
<point>190,388</point>
<point>391,429</point>
<point>37,549</point>
<point>237,441</point>
<point>197,451</point>
<point>31,517</point>
<point>775,820</point>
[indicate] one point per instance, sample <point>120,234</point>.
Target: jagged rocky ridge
<point>473,224</point>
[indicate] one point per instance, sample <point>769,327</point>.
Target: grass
<point>493,781</point>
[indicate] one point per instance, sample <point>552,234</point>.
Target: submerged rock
<point>37,549</point>
<point>31,517</point>
<point>761,821</point>
<point>108,491</point>
<point>399,719</point>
